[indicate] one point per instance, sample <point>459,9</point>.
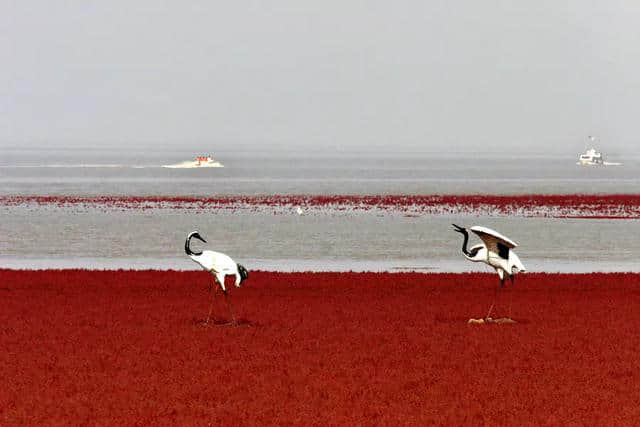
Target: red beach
<point>123,347</point>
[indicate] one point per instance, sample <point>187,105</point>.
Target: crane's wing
<point>494,241</point>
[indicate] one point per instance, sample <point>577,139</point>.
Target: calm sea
<point>55,237</point>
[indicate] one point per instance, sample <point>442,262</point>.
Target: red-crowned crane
<point>220,266</point>
<point>496,251</point>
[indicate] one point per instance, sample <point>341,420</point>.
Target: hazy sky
<point>413,75</point>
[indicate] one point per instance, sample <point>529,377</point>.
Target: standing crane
<point>220,266</point>
<point>495,251</point>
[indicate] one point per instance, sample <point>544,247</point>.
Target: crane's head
<point>196,235</point>
<point>187,249</point>
<point>459,229</point>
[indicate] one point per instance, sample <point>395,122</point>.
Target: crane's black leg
<point>233,317</point>
<point>495,297</point>
<point>511,293</point>
<point>490,309</point>
<point>213,294</point>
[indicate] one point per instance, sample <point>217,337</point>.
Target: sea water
<point>325,240</point>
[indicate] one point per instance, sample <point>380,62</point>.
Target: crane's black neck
<point>464,243</point>
<point>188,250</point>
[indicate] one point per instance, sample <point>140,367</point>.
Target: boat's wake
<point>190,165</point>
<point>78,166</point>
<point>601,164</point>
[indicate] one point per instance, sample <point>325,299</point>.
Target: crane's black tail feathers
<point>244,274</point>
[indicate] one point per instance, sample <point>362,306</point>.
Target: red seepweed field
<point>594,206</point>
<point>121,347</point>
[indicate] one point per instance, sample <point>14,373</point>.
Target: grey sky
<point>414,75</point>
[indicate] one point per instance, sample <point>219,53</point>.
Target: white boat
<point>591,158</point>
<point>198,162</point>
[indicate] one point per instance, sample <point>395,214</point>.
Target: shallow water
<point>50,236</point>
<point>99,237</point>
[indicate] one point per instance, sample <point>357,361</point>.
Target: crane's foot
<point>222,322</point>
<point>504,320</point>
<point>202,322</point>
<point>227,323</point>
<point>212,322</point>
<point>490,320</point>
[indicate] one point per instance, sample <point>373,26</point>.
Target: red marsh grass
<point>612,206</point>
<point>120,347</point>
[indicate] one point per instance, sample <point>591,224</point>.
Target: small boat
<point>591,158</point>
<point>198,162</point>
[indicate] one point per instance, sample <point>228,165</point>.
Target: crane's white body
<point>492,252</point>
<point>218,264</point>
<point>495,250</point>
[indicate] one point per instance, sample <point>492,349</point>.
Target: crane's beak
<point>197,236</point>
<point>458,228</point>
